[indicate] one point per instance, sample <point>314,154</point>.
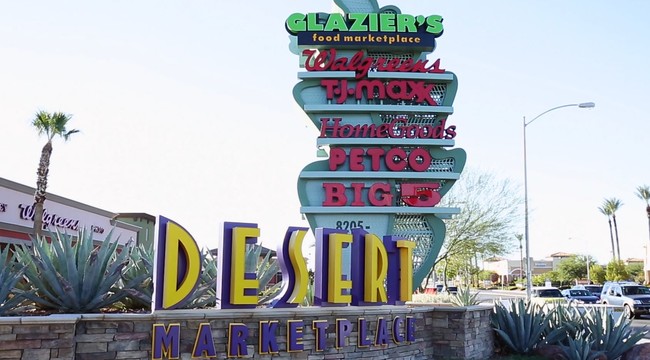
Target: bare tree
<point>490,208</point>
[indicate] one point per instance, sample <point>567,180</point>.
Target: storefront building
<point>63,215</point>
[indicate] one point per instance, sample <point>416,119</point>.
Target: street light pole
<point>529,283</point>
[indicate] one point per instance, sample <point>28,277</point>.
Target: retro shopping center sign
<point>381,108</point>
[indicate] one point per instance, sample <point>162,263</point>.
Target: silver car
<point>634,298</point>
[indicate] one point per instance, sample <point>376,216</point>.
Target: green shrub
<point>443,298</point>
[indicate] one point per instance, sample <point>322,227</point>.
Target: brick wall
<point>441,333</point>
<point>38,338</point>
<point>462,333</point>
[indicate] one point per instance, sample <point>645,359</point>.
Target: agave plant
<point>580,348</point>
<point>140,289</point>
<point>609,336</point>
<point>72,274</point>
<point>137,279</point>
<point>205,294</point>
<point>465,298</point>
<point>266,269</point>
<point>524,326</point>
<point>567,318</point>
<point>309,297</point>
<point>10,273</point>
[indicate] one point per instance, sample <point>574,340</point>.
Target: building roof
<point>140,215</point>
<point>494,259</point>
<point>561,255</point>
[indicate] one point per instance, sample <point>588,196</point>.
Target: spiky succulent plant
<point>613,337</point>
<point>580,348</point>
<point>464,297</point>
<point>205,294</point>
<point>525,326</point>
<point>137,278</point>
<point>73,275</point>
<point>10,273</point>
<point>266,269</point>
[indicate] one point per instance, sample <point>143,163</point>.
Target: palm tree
<point>614,204</point>
<point>50,124</point>
<point>643,192</point>
<point>606,211</point>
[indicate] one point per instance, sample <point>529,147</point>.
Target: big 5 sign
<point>383,274</point>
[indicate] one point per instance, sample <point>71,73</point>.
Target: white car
<point>547,294</point>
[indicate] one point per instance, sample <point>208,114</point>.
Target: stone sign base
<point>439,332</point>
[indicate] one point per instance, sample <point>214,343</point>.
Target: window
<point>550,293</point>
<point>635,290</point>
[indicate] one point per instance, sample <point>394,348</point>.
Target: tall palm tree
<point>643,192</point>
<point>614,204</point>
<point>52,125</point>
<point>606,211</point>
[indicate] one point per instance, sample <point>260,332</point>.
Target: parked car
<point>634,298</point>
<point>442,289</point>
<point>542,295</point>
<point>580,296</point>
<point>594,289</point>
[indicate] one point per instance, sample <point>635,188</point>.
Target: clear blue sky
<point>186,108</point>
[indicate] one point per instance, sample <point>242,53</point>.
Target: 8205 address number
<point>350,224</point>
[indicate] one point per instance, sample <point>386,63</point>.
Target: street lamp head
<point>587,105</point>
<point>584,105</point>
